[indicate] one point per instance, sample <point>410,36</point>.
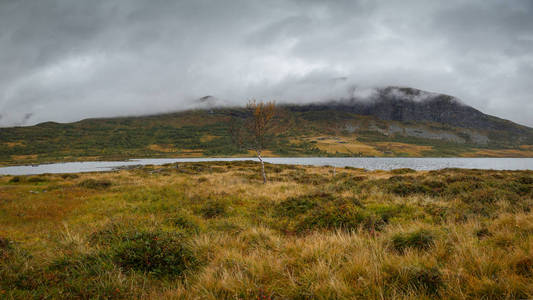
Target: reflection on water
<point>370,163</point>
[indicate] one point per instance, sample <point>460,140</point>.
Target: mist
<point>68,60</point>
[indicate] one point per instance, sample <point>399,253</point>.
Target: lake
<point>370,163</point>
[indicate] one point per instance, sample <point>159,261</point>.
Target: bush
<point>481,196</point>
<point>417,277</point>
<point>402,171</point>
<point>298,205</point>
<point>385,212</point>
<point>524,266</point>
<point>420,239</point>
<point>185,222</point>
<point>69,176</point>
<point>6,248</point>
<point>84,277</point>
<point>306,178</point>
<point>15,179</point>
<point>110,234</point>
<point>525,180</point>
<point>95,184</point>
<point>346,217</point>
<point>409,188</point>
<point>157,253</point>
<point>214,208</point>
<point>37,179</point>
<point>482,233</point>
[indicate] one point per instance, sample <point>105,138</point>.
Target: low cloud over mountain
<point>68,60</point>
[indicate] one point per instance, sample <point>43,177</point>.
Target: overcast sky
<point>65,60</point>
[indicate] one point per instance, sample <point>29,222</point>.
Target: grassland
<point>214,231</point>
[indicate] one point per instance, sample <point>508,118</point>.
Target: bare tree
<point>261,115</point>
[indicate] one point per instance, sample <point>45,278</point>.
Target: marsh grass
<point>214,231</point>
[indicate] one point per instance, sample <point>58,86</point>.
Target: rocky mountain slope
<point>410,105</point>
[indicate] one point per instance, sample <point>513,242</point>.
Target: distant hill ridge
<point>392,121</point>
<point>413,105</point>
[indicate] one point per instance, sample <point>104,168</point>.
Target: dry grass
<point>304,235</point>
<point>343,145</point>
<point>351,146</point>
<point>524,151</point>
<point>406,149</point>
<point>23,157</point>
<point>162,148</point>
<point>14,144</point>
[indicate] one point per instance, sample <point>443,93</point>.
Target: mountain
<point>392,121</point>
<point>408,105</point>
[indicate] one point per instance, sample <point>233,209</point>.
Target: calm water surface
<point>370,163</point>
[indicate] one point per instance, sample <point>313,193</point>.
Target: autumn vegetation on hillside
<point>214,231</point>
<point>222,132</point>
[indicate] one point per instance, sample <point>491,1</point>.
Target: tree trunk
<point>262,167</point>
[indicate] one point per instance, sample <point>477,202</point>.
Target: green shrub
<point>489,196</point>
<point>37,179</point>
<point>306,178</point>
<point>16,275</point>
<point>69,176</point>
<point>89,276</point>
<point>434,187</point>
<point>402,171</point>
<point>108,235</point>
<point>482,233</point>
<point>224,225</point>
<point>523,266</point>
<point>409,188</point>
<point>419,239</point>
<point>6,248</point>
<point>185,221</point>
<point>439,213</point>
<point>95,184</point>
<point>385,212</point>
<point>213,208</point>
<point>418,278</point>
<point>15,179</point>
<point>294,206</point>
<point>346,217</point>
<point>525,180</point>
<point>157,253</point>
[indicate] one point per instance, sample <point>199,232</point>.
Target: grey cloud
<point>66,60</point>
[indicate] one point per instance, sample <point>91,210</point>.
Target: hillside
<point>394,122</point>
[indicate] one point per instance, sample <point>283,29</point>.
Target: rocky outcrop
<point>408,105</point>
